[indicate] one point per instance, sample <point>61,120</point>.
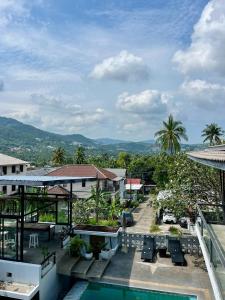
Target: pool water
<point>97,291</point>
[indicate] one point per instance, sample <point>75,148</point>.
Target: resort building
<point>110,180</point>
<point>210,225</point>
<point>11,166</point>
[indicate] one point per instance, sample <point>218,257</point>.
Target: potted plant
<point>76,244</point>
<point>105,252</point>
<point>89,252</point>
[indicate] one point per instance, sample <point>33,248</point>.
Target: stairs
<point>89,269</point>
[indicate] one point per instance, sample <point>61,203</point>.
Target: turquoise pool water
<point>97,291</point>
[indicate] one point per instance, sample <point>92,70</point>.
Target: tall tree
<point>169,137</point>
<point>80,157</point>
<point>123,160</point>
<point>212,134</point>
<point>58,156</point>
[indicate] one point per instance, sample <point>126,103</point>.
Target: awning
<point>39,180</point>
<point>133,187</point>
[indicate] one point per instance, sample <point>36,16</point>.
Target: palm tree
<point>170,135</point>
<point>80,157</point>
<point>100,199</point>
<point>212,133</point>
<point>58,156</point>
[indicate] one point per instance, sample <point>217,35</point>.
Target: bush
<point>155,228</point>
<point>134,203</point>
<point>175,231</point>
<point>75,246</point>
<point>47,218</point>
<point>103,222</point>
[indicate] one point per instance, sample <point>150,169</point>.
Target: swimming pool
<point>99,291</point>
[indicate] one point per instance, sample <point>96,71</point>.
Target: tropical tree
<point>80,157</point>
<point>213,134</point>
<point>99,198</point>
<point>170,135</point>
<point>58,156</point>
<point>123,160</point>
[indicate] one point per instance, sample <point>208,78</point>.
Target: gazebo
<point>21,211</point>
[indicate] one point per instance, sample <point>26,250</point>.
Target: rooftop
<point>84,170</point>
<point>6,160</point>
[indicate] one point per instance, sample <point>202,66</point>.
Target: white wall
<point>9,172</point>
<point>49,285</point>
<point>21,272</point>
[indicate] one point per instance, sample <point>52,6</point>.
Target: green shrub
<point>75,246</point>
<point>175,231</point>
<point>103,222</point>
<point>134,203</point>
<point>155,228</point>
<point>47,218</point>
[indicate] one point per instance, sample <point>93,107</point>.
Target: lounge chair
<point>177,256</point>
<point>149,249</point>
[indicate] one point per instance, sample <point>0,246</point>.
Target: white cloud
<point>203,93</point>
<point>123,67</point>
<point>207,49</point>
<point>146,102</point>
<point>58,115</point>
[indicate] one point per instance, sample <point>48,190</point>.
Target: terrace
<point>210,223</point>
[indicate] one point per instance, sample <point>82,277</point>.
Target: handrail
<point>46,260</point>
<point>213,237</point>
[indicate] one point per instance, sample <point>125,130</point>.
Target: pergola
<point>16,209</point>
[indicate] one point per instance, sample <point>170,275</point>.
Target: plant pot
<point>105,254</point>
<point>88,256</point>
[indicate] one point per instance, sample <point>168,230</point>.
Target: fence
<point>190,244</point>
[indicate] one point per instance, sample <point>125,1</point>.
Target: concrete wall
<point>21,272</point>
<point>49,285</point>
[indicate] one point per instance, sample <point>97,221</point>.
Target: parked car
<point>127,217</point>
<point>169,217</point>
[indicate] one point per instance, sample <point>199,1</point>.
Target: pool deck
<point>129,270</point>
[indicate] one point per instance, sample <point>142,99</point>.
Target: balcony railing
<point>48,263</point>
<point>209,216</point>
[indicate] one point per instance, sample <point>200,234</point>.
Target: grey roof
<point>212,157</point>
<point>6,160</point>
<point>117,171</point>
<point>38,180</point>
<point>41,171</point>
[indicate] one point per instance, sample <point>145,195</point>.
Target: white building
<point>11,166</point>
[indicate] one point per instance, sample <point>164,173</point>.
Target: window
<point>4,170</point>
<point>21,168</point>
<point>13,188</point>
<point>4,189</point>
<point>13,169</point>
<point>83,182</point>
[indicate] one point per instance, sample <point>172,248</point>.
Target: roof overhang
<point>209,161</point>
<point>39,180</point>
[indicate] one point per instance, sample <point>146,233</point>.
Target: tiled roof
<point>208,155</point>
<point>133,181</point>
<point>6,160</point>
<point>83,170</point>
<point>58,190</point>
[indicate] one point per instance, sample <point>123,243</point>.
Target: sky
<point>113,68</point>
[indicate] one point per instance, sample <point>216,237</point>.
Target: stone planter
<point>105,254</point>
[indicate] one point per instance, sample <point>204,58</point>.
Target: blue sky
<point>113,68</point>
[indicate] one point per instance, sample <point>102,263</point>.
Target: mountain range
<point>28,142</point>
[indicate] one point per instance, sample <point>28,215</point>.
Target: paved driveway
<point>143,216</point>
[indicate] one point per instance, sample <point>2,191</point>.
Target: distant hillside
<point>30,143</point>
<point>108,141</point>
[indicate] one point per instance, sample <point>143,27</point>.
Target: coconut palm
<point>58,156</point>
<point>170,135</point>
<point>80,157</point>
<point>212,133</point>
